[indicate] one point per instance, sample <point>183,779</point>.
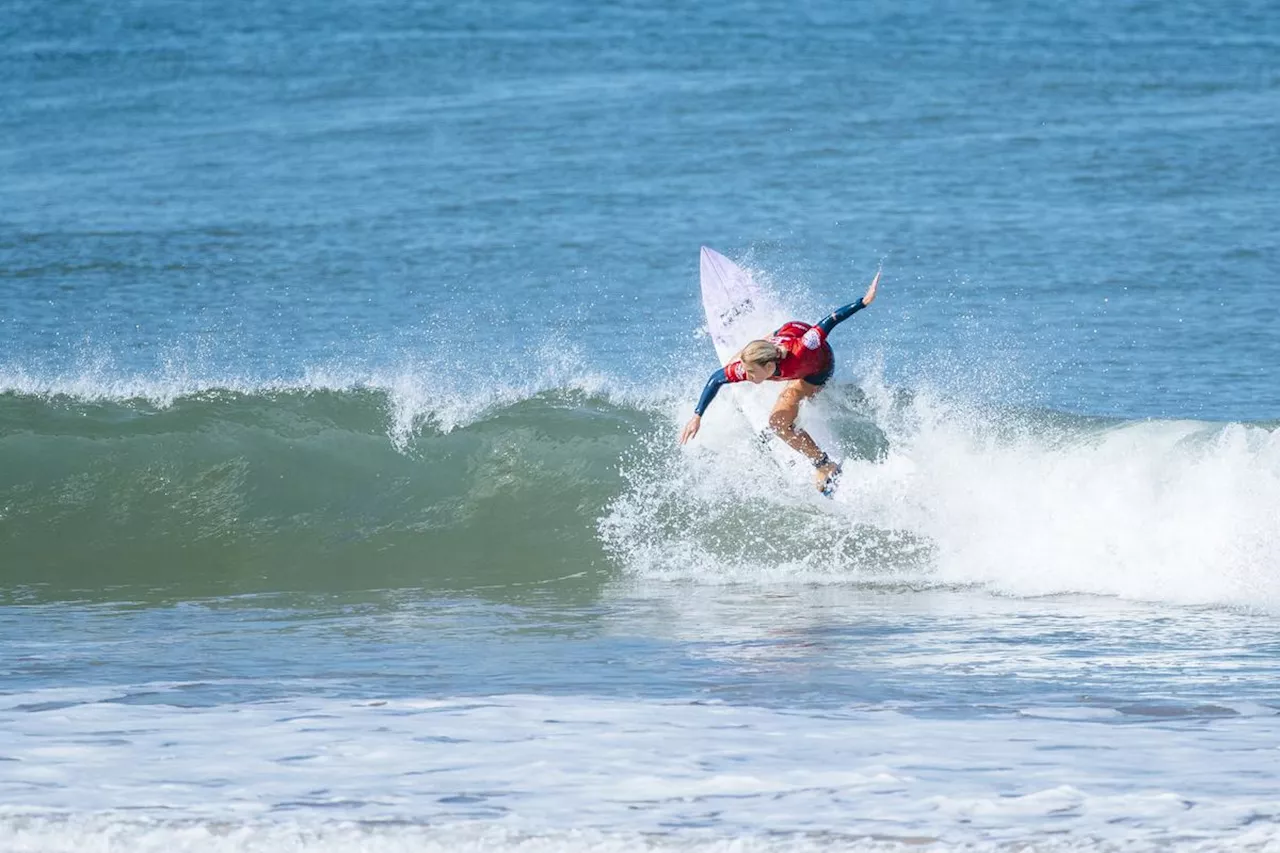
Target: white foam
<point>576,773</point>
<point>112,834</point>
<point>1174,511</point>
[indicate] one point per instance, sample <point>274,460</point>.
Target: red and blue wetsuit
<point>808,356</point>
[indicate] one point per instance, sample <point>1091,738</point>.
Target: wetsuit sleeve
<point>838,316</point>
<point>720,377</point>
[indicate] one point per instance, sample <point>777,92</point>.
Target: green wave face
<point>224,492</point>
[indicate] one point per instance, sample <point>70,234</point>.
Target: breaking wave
<point>244,488</point>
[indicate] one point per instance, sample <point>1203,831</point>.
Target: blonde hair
<point>760,352</point>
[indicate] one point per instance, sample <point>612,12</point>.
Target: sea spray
<point>1019,501</point>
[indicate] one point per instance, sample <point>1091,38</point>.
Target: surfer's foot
<point>826,478</point>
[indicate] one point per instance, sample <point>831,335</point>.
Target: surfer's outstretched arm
<point>709,392</point>
<point>838,316</point>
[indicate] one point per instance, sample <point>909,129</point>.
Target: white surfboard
<point>740,311</point>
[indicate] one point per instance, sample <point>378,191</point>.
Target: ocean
<point>343,353</point>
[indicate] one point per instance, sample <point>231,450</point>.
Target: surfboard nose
<point>711,262</point>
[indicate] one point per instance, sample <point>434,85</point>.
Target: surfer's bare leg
<point>782,420</point>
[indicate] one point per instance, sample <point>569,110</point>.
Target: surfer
<point>799,355</point>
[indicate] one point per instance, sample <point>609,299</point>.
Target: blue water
<point>342,353</point>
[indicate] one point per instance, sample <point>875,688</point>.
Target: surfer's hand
<point>871,291</point>
<point>825,473</point>
<point>691,428</point>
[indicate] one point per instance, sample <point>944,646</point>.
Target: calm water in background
<point>342,350</point>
